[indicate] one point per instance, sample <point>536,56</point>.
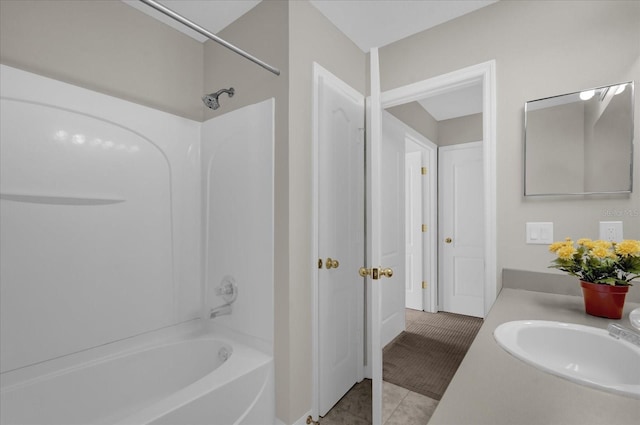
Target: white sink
<point>582,354</point>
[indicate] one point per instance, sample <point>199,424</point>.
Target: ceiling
<point>213,15</point>
<point>376,23</point>
<point>368,23</point>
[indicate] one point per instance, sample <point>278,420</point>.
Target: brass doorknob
<point>332,264</point>
<point>448,240</point>
<point>375,272</point>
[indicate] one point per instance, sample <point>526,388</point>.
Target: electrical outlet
<point>611,231</point>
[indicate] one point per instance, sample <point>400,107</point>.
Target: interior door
<point>374,226</point>
<point>393,229</point>
<point>413,225</point>
<point>461,206</point>
<point>340,144</point>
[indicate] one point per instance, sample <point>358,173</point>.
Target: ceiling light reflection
<point>78,139</point>
<point>588,94</point>
<point>60,136</point>
<point>82,140</point>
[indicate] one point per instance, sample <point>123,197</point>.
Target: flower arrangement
<point>603,262</point>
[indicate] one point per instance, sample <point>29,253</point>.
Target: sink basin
<point>582,354</point>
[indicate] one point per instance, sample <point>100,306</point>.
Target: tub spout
<point>221,310</point>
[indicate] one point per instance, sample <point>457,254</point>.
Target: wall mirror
<point>580,143</point>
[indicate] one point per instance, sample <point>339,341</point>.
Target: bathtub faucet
<point>228,291</point>
<point>219,311</point>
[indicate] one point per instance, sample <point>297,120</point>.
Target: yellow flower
<point>602,244</point>
<point>565,252</point>
<point>600,252</point>
<point>586,242</point>
<point>554,247</point>
<point>628,248</point>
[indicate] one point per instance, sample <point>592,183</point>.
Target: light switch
<point>540,233</point>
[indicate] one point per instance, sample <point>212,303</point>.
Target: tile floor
<point>399,406</point>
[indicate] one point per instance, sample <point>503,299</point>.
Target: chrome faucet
<point>221,310</point>
<point>620,332</point>
<point>229,292</point>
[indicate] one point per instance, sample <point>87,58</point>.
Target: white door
<point>461,231</point>
<point>340,233</point>
<point>392,210</point>
<point>374,197</point>
<point>413,214</point>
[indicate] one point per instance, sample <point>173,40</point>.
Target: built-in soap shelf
<point>58,199</point>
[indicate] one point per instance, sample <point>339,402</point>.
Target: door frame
<point>486,74</point>
<point>320,72</point>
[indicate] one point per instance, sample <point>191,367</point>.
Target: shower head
<point>211,99</point>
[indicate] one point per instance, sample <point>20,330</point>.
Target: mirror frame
<point>631,141</point>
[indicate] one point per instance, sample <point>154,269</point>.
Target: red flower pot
<point>603,300</point>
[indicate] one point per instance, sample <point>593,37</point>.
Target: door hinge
<point>424,284</point>
<point>424,170</point>
<point>424,228</point>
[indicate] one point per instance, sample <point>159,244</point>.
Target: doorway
<point>483,74</point>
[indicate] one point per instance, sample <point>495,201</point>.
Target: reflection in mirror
<point>580,143</point>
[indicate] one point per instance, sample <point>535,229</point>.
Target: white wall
<point>100,216</point>
<point>237,180</point>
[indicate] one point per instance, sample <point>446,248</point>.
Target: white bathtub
<point>203,379</point>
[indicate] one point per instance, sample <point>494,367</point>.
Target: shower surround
<point>107,216</point>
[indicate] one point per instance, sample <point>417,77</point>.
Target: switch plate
<point>540,233</point>
<point>611,231</point>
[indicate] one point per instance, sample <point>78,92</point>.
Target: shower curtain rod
<point>170,13</point>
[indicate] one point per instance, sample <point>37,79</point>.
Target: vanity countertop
<point>492,387</point>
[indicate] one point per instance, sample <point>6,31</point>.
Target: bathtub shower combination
<point>133,264</point>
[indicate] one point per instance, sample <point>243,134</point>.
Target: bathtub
<point>200,379</point>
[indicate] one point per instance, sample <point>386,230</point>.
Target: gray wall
<point>541,49</point>
<point>443,133</point>
<point>555,149</point>
<point>105,46</point>
<point>460,130</point>
<point>416,117</point>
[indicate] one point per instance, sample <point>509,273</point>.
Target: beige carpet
<point>425,357</point>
